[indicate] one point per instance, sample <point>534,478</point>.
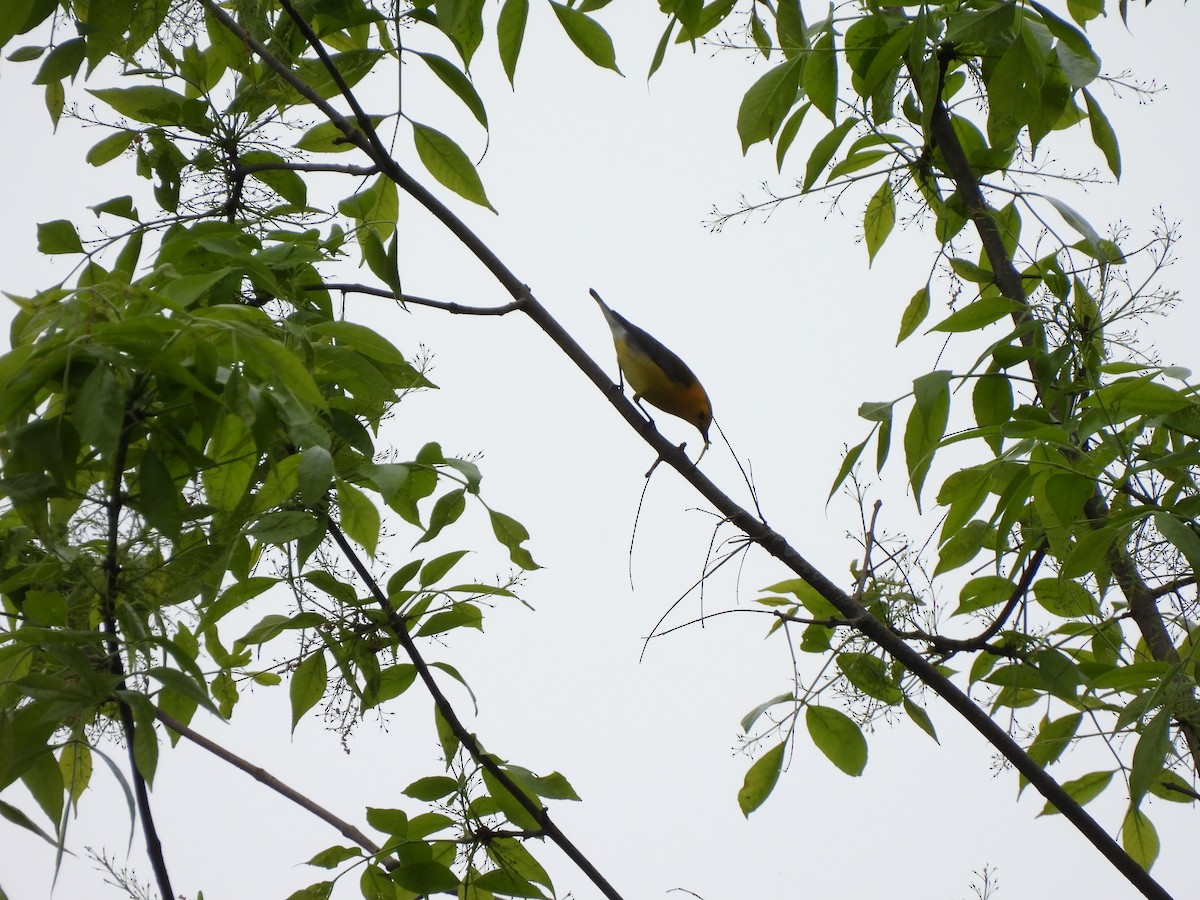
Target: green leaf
<point>118,206</point>
<point>768,101</point>
<point>458,82</point>
<point>820,76</point>
<point>550,787</point>
<point>879,219</point>
<point>788,133</point>
<point>110,147</point>
<point>979,314</point>
<point>283,181</point>
<point>751,717</point>
<point>426,877</point>
<point>445,512</point>
<point>761,779</point>
<point>308,685</point>
<point>1083,11</point>
<point>106,26</point>
<point>14,815</point>
<point>1139,838</point>
<point>914,314</point>
<point>1103,135</point>
<point>99,410</point>
<point>790,26</point>
<point>377,207</point>
<point>1076,221</point>
<point>446,162</point>
<point>870,675</point>
<point>358,515</point>
<point>389,821</point>
<point>1182,535</point>
<point>1064,597</point>
<point>75,761</point>
<point>1129,398</point>
<point>926,426</point>
<point>660,51</point>
<point>156,105</point>
<point>436,569</point>
<point>333,857</point>
<point>512,534</point>
<point>510,33</point>
<point>992,403</point>
<point>58,236</point>
<point>328,138</point>
<point>394,681</point>
<point>18,16</point>
<point>921,717</point>
<point>364,340</point>
<point>707,18</point>
<point>435,787</point>
<point>588,35</point>
<point>504,883</point>
<point>1076,59</point>
<point>1053,738</point>
<point>314,474</point>
<point>848,463</point>
<point>983,592</point>
<point>836,735</point>
<point>963,546</point>
<point>1014,89</point>
<point>44,781</point>
<point>512,808</point>
<point>1170,786</point>
<point>1082,790</point>
<point>63,61</point>
<point>1149,754</point>
<point>823,152</point>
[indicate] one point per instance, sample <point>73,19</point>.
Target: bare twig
<point>450,306</point>
<point>262,776</point>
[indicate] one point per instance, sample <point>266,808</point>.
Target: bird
<point>656,374</point>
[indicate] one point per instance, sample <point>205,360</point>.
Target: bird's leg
<point>637,400</point>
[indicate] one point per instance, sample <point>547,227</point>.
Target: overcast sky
<point>604,182</point>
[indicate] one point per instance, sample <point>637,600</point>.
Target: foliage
<point>1079,502</point>
<point>188,425</point>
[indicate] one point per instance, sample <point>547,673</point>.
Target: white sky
<point>602,182</point>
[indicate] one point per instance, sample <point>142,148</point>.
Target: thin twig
<point>262,776</point>
<point>450,306</point>
<point>868,546</point>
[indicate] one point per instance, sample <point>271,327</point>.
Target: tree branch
<point>112,585</point>
<point>460,309</point>
<point>1142,599</point>
<point>981,641</point>
<point>466,738</point>
<point>262,776</point>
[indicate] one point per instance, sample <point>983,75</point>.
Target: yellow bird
<point>656,374</point>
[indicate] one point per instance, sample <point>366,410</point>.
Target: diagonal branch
<point>264,777</point>
<point>466,738</point>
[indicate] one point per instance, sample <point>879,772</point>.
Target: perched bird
<point>656,374</point>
